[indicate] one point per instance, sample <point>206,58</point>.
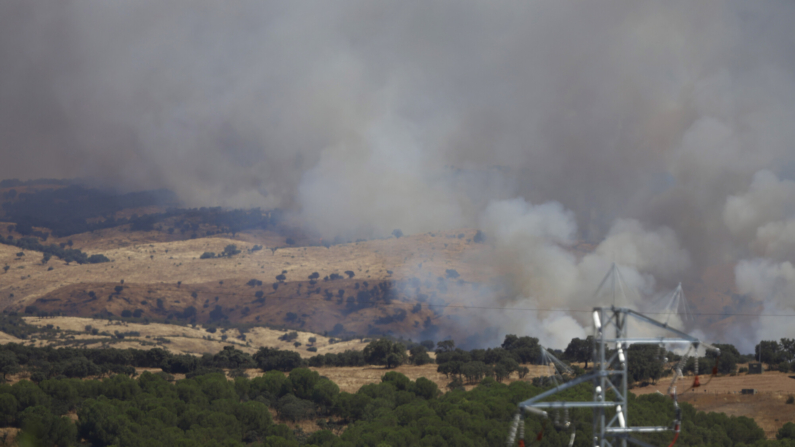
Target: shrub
<point>290,336</point>
<point>230,250</point>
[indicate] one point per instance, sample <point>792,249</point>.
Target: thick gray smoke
<point>661,130</point>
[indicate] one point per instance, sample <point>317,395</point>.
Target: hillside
<point>401,286</point>
<point>162,279</point>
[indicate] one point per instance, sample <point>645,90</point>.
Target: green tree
<point>729,356</point>
<point>254,416</point>
<point>771,351</point>
<point>230,250</point>
<point>303,382</point>
<point>42,428</point>
<point>385,352</point>
<point>579,350</point>
<point>786,432</point>
<point>418,355</point>
<point>270,358</point>
<point>8,409</point>
<point>445,346</point>
<point>788,346</point>
<point>9,364</point>
<point>644,362</point>
<point>324,393</point>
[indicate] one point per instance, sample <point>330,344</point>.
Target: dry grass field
<point>173,273</point>
<point>181,339</point>
<point>161,275</point>
<point>723,395</point>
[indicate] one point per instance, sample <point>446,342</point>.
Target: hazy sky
<point>366,116</point>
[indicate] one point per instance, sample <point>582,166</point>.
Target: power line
<point>543,309</point>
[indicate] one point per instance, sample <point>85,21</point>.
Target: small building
<point>754,368</point>
<point>749,391</point>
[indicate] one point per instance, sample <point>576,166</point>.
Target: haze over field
<point>659,131</point>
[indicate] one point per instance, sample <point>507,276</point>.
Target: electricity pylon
<point>611,342</point>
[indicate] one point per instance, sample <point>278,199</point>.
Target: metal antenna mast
<point>610,374</point>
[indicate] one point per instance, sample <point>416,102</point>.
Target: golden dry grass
<point>189,340</point>
<point>172,271</point>
<point>723,395</point>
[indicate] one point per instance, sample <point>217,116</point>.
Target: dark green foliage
<point>419,355</point>
<point>230,250</point>
<point>786,432</point>
<point>385,352</point>
<point>217,313</point>
<point>729,357</point>
<point>8,363</point>
<point>40,427</point>
<point>211,410</point>
<point>522,349</point>
<point>65,254</point>
<point>207,255</point>
<point>77,209</point>
<point>347,358</point>
<point>772,352</point>
<point>268,359</point>
<point>397,233</point>
<point>644,362</point>
<point>97,259</point>
<point>289,336</point>
<point>579,350</point>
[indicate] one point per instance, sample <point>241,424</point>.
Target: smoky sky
<point>363,116</point>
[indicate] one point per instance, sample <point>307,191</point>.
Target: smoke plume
<point>659,130</point>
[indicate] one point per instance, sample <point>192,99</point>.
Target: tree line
<point>77,209</point>
<point>66,254</point>
<point>210,410</point>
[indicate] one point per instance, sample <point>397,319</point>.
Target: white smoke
<point>533,243</point>
<point>364,117</point>
<point>764,216</point>
<point>763,220</point>
<point>774,284</point>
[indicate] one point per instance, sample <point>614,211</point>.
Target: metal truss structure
<point>676,303</point>
<point>609,376</point>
